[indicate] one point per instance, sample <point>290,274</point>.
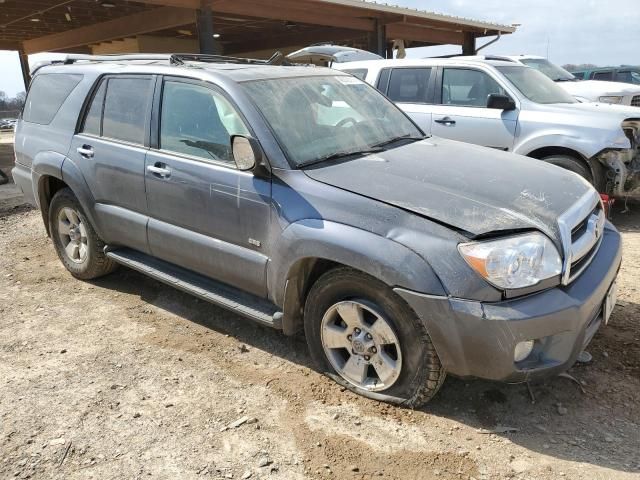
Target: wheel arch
<point>593,165</point>
<point>310,248</point>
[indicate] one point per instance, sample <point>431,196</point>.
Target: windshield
<point>535,86</point>
<point>554,72</point>
<point>315,118</point>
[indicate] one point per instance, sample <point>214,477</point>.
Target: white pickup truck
<point>511,107</point>
<point>584,90</point>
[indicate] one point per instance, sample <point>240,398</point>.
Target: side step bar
<point>226,296</point>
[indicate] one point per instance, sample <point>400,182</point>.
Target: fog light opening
<point>523,350</point>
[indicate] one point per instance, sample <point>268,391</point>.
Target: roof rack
<point>172,58</point>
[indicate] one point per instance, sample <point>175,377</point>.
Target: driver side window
<point>466,87</point>
<point>199,122</point>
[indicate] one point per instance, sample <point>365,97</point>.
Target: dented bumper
<point>475,339</point>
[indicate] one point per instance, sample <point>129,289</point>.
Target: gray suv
<point>305,200</point>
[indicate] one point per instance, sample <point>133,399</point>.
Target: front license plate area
<point>610,302</point>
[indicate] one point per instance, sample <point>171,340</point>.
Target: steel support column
<point>469,44</point>
<point>24,66</point>
<point>204,19</point>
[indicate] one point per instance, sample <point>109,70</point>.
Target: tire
<point>572,164</point>
<point>80,250</point>
<point>417,374</point>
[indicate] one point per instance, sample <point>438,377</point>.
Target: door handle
<point>446,121</point>
<point>159,169</point>
<point>86,151</point>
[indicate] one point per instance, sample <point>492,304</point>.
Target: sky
<point>602,32</point>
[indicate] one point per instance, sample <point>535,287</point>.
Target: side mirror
<point>500,102</point>
<point>246,152</point>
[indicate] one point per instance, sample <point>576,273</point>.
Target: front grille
<point>581,229</point>
<point>635,101</point>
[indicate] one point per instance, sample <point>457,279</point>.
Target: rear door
<point>205,214</point>
<point>110,150</point>
<point>411,88</point>
<point>462,113</point>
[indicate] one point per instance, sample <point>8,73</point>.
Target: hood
<point>592,89</point>
<point>474,189</point>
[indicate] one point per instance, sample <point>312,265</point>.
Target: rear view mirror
<point>246,152</point>
<point>500,102</point>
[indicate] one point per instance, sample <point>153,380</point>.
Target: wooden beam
<point>291,40</point>
<point>419,33</point>
<point>9,45</point>
<point>136,24</point>
<point>285,10</point>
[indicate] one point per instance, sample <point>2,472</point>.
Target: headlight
<point>611,99</point>
<point>513,262</point>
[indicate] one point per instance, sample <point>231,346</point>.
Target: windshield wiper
<point>565,79</point>
<point>339,155</point>
<point>407,136</point>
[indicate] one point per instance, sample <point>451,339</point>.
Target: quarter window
<point>409,85</point>
<point>467,87</point>
<point>126,106</point>
<point>199,122</point>
<point>46,95</point>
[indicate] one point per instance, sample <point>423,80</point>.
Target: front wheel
<point>572,164</point>
<point>369,340</point>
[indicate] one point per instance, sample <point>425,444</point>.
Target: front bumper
<point>475,339</point>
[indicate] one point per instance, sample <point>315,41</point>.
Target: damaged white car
<point>511,107</point>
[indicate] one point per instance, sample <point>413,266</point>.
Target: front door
<point>110,151</point>
<point>205,214</point>
<point>462,113</point>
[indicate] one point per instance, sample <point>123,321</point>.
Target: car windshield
<point>554,72</point>
<point>535,86</point>
<point>321,117</point>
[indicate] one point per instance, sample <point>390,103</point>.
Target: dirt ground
<point>124,377</point>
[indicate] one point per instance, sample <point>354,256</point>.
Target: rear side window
<point>360,73</point>
<point>603,75</point>
<point>46,95</point>
<point>126,107</point>
<point>409,85</point>
<point>92,122</point>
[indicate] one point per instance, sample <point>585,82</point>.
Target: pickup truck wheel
<point>78,246</point>
<point>369,340</point>
<point>572,164</point>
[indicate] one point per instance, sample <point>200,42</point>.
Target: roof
<point>234,71</point>
<point>244,26</point>
<point>426,14</point>
<point>424,62</point>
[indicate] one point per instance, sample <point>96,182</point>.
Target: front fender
<point>584,146</point>
<point>380,257</point>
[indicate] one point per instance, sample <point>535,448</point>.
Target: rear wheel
<point>572,164</point>
<point>76,242</point>
<point>369,340</point>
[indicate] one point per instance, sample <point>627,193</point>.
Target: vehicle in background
<point>625,74</point>
<point>511,107</point>
<point>614,92</point>
<point>326,54</point>
<point>7,123</point>
<point>305,200</point>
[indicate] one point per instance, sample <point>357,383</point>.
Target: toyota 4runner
<point>303,199</point>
